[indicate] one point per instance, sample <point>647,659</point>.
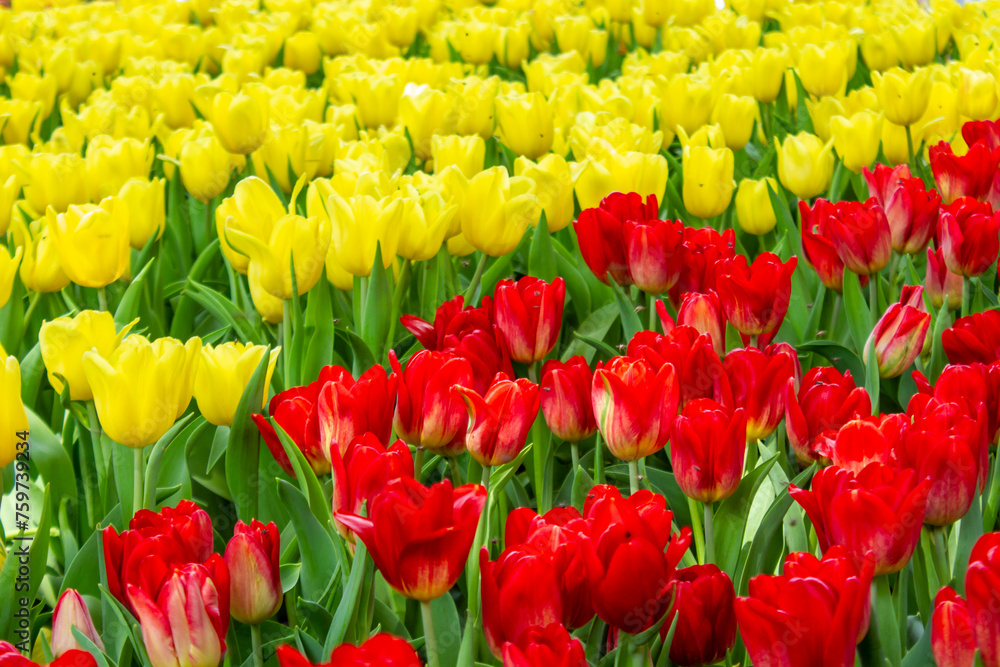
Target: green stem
<point>598,460</point>
<point>258,654</point>
<point>909,147</point>
<point>574,452</point>
<point>940,556</point>
<point>456,474</point>
<point>966,296</point>
<point>430,641</point>
<point>873,294</point>
<point>633,475</point>
<point>477,277</point>
<point>696,531</point>
<point>286,341</point>
<point>893,269</point>
<point>709,534</point>
<point>397,298</point>
<point>418,464</point>
<point>753,340</point>
<point>137,475</point>
<point>35,298</point>
<point>293,620</point>
<point>102,300</point>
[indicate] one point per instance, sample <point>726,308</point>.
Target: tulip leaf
<point>873,383</point>
<point>374,326</point>
<point>500,475</point>
<point>885,622</point>
<point>785,224</point>
<point>626,309</point>
<point>90,647</point>
<point>731,517</point>
<point>289,576</point>
<point>185,311</point>
<point>363,357</point>
<point>80,570</point>
<point>921,655</point>
<point>500,269</point>
<point>970,529</point>
<point>319,325</point>
<point>576,286</point>
<point>308,483</point>
<point>38,553</point>
<point>594,328</point>
<point>988,294</point>
<point>319,559</point>
<point>665,484</point>
<point>991,496</point>
<point>49,458</point>
<point>226,311</point>
<point>541,257</point>
<point>447,629</point>
<point>32,372</point>
<point>152,473</point>
<point>839,356</point>
<point>582,484</point>
<point>347,610</point>
<point>938,358</point>
<point>243,450</point>
<point>128,307</point>
<point>858,315</point>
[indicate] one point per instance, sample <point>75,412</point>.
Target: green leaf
<point>50,459</point>
<point>731,517</point>
<point>786,225</point>
<point>309,485</point>
<point>319,325</point>
<point>938,358</point>
<point>447,629</point>
<point>541,257</point>
<point>582,484</point>
<point>226,311</point>
<point>501,267</point>
<point>839,356</point>
<point>347,609</point>
<point>598,345</point>
<point>872,379</point>
<point>243,450</point>
<point>626,309</point>
<point>89,646</point>
<point>885,620</point>
<point>38,552</point>
<point>320,557</point>
<point>152,476</point>
<point>576,286</point>
<point>374,326</point>
<point>500,475</point>
<point>970,529</point>
<point>595,328</point>
<point>289,574</point>
<point>921,655</point>
<point>128,307</point>
<point>858,315</point>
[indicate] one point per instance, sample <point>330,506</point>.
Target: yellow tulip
<point>111,162</point>
<point>13,418</point>
<point>977,94</point>
<point>376,97</point>
<point>474,41</point>
<point>400,25</point>
<point>142,201</point>
<point>512,44</point>
<point>8,269</point>
<point>12,159</point>
<point>224,371</point>
<point>425,220</point>
<point>894,144</point>
<point>805,164</point>
<point>916,41</point>
<point>608,171</point>
<point>466,153</point>
<point>252,209</point>
<point>903,95</point>
<point>174,95</point>
<point>425,112</point>
<point>553,187</point>
<point>63,342</point>
<point>206,167</point>
<point>822,112</point>
<point>32,88</point>
<point>92,242</point>
<point>767,69</point>
<point>302,52</point>
<point>269,307</point>
<point>754,212</point>
<point>41,270</point>
<point>86,77</point>
<point>879,52</point>
<point>736,116</point>
<point>823,70</point>
<point>8,195</point>
<point>54,180</point>
<point>708,180</point>
<point>23,117</point>
<point>287,105</point>
<point>240,121</point>
<point>578,33</point>
<point>942,115</point>
<point>706,135</point>
<point>856,139</point>
<point>359,225</point>
<point>525,124</point>
<point>494,209</point>
<point>305,150</point>
<point>142,388</point>
<point>687,102</point>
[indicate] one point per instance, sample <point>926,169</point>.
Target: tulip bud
<point>903,95</point>
<point>767,69</point>
<point>899,334</point>
<point>40,270</point>
<point>736,115</point>
<point>823,69</point>
<point>142,203</point>
<point>92,242</point>
<point>969,239</point>
<point>71,612</point>
<point>708,180</point>
<point>704,313</point>
<point>706,627</point>
<point>13,418</point>
<point>698,96</point>
<point>302,52</point>
<point>634,406</point>
<point>500,420</point>
<point>805,164</point>
<point>977,94</point>
<point>206,167</point>
<point>525,124</point>
<point>860,233</point>
<point>707,450</point>
<point>223,374</point>
<point>654,253</point>
<point>753,206</point>
<point>240,121</point>
<point>565,399</point>
<point>952,642</point>
<point>856,139</point>
<point>941,283</point>
<point>982,588</point>
<point>63,342</point>
<point>255,581</point>
<point>8,269</point>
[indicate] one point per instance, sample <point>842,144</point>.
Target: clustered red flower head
<point>11,657</point>
<point>382,650</point>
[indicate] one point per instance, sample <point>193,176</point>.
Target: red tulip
<point>634,406</point>
<point>71,612</point>
<point>11,657</point>
<point>601,233</point>
<point>900,333</point>
<point>834,569</point>
<point>940,282</point>
<point>759,386</point>
<point>982,589</point>
<point>702,249</point>
<point>520,590</point>
<point>704,313</point>
<point>698,366</point>
<point>255,580</point>
<point>549,646</point>
<point>910,208</point>
<point>183,620</point>
<point>970,386</point>
<point>819,250</point>
<point>451,317</point>
<point>863,441</point>
<point>706,625</point>
<point>419,536</point>
<point>708,449</point>
<point>565,398</point>
<point>186,523</point>
<point>876,513</point>
<point>973,338</point>
<point>529,314</point>
<point>428,414</point>
<point>755,296</point>
<point>382,650</point>
<point>986,131</point>
<point>631,558</point>
<point>499,422</point>
<point>654,248</point>
<point>860,233</point>
<point>969,242</point>
<point>826,401</point>
<point>363,471</point>
<point>804,621</point>
<point>558,534</point>
<point>970,175</point>
<point>952,642</point>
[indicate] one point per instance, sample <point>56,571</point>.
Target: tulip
<point>360,225</point>
<point>704,606</point>
<point>631,557</point>
<point>206,166</point>
<point>608,171</point>
<point>143,204</point>
<point>860,232</point>
<point>252,209</point>
<point>952,642</point>
<point>426,218</point>
<point>143,387</point>
<point>602,231</point>
<point>529,315</point>
<point>553,187</point>
<point>825,402</point>
<point>223,375</point>
<point>549,646</point>
<point>767,69</point>
<point>240,121</point>
<point>499,420</point>
<point>181,621</point>
<point>805,164</point>
<point>941,283</point>
<point>755,296</point>
<point>911,210</point>
<point>969,240</point>
<point>510,204</point>
<point>977,94</point>
<point>754,212</point>
<point>302,52</point>
<point>701,250</point>
<point>634,406</point>
<point>63,342</point>
<point>519,590</point>
<point>111,163</point>
<point>466,153</point>
<point>10,656</point>
<point>363,471</point>
<point>758,382</point>
<point>899,334</point>
<point>382,650</point>
<point>969,175</point>
<point>707,450</point>
<point>708,180</point>
<point>578,33</point>
<point>296,245</point>
<point>700,371</point>
<point>71,612</point>
<point>984,131</point>
<point>863,441</point>
<point>9,192</point>
<point>92,242</point>
<point>982,588</point>
<point>736,115</point>
<point>696,91</point>
<point>856,139</point>
<point>565,399</point>
<point>428,414</point>
<point>973,339</point>
<point>8,269</point>
<point>903,95</point>
<point>819,250</point>
<point>525,124</point>
<point>822,112</point>
<point>875,513</point>
<point>255,580</point>
<point>418,536</point>
<point>800,619</point>
<point>824,69</point>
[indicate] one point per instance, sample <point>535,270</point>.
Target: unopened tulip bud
<point>255,580</point>
<point>71,612</point>
<point>900,333</point>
